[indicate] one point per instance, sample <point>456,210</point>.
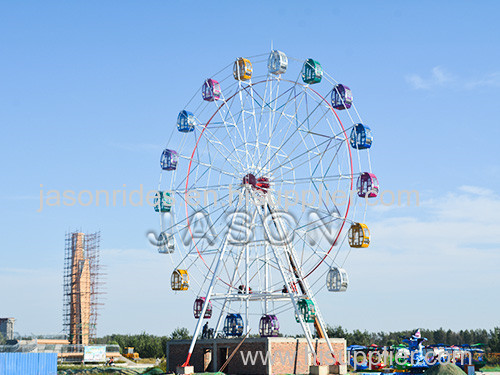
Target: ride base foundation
<point>184,370</point>
<point>278,355</point>
<point>319,370</point>
<point>338,369</point>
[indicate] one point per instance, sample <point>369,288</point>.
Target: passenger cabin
<point>341,97</point>
<point>359,235</point>
<point>242,69</point>
<point>263,184</point>
<point>233,325</point>
<point>277,62</point>
<point>163,201</point>
<point>169,159</point>
<point>337,280</point>
<point>312,72</point>
<point>180,280</point>
<point>185,121</point>
<point>367,185</point>
<point>211,90</point>
<point>166,243</point>
<point>307,310</point>
<point>361,137</point>
<point>198,307</point>
<point>269,326</point>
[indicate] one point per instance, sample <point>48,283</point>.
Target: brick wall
<point>292,356</point>
<point>286,355</point>
<point>210,355</point>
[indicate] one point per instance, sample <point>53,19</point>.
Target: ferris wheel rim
<point>187,182</point>
<point>224,102</point>
<point>351,178</point>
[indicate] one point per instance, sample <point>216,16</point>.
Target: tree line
<point>148,346</point>
<point>491,338</point>
<point>151,346</point>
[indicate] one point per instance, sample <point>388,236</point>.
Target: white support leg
<point>207,301</point>
<point>226,302</point>
<point>292,295</point>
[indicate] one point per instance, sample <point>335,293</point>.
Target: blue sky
<point>89,92</point>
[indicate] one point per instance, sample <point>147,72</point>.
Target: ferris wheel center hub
<point>261,183</point>
<point>250,179</point>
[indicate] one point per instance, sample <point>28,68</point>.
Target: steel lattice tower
<point>82,286</point>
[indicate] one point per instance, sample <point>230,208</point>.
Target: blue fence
<point>28,363</point>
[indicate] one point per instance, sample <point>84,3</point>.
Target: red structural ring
<point>352,178</point>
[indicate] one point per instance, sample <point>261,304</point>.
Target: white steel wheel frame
<point>287,132</point>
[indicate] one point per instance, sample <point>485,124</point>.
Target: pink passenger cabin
<point>367,185</point>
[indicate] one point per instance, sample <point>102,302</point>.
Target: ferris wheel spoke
<point>331,164</point>
<point>282,113</point>
<point>268,104</point>
<point>308,152</point>
<point>258,130</point>
<point>256,125</point>
<point>229,113</point>
<point>200,163</point>
<point>212,139</point>
<point>234,127</point>
<point>322,172</point>
<point>183,222</point>
<point>285,139</point>
<point>291,123</point>
<point>215,143</point>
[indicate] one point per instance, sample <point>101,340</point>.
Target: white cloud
<point>490,80</point>
<point>434,268</point>
<point>440,77</point>
<point>476,190</point>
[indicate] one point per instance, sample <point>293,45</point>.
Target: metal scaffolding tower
<point>82,286</point>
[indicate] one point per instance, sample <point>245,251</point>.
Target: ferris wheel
<point>262,194</point>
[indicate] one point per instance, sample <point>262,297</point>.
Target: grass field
<point>490,369</point>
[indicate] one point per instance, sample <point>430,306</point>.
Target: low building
<point>256,356</point>
<point>7,328</point>
<point>65,351</point>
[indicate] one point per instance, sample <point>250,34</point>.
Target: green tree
<point>439,336</point>
<point>451,337</point>
<point>481,336</point>
<point>148,346</point>
<point>359,338</point>
<point>180,334</point>
<point>494,341</point>
<point>336,331</point>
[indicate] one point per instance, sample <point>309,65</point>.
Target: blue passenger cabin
<point>169,159</point>
<point>233,325</point>
<point>185,121</point>
<point>361,137</point>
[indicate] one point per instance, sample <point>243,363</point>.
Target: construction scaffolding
<point>82,286</point>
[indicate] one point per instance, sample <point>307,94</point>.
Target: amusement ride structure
<point>262,194</point>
